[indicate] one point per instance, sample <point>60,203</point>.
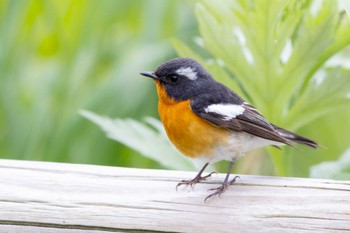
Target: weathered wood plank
<point>53,197</point>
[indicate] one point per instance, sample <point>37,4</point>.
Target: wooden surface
<point>53,197</point>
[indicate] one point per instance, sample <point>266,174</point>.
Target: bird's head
<point>181,78</point>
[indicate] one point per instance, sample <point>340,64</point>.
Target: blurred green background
<point>59,56</point>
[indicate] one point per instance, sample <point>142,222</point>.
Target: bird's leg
<point>225,184</point>
<point>197,179</point>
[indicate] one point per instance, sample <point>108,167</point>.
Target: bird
<point>207,121</point>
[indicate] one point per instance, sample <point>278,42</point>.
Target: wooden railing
<point>55,197</point>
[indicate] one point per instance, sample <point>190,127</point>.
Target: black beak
<point>149,74</point>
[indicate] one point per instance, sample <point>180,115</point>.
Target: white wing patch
<point>229,111</point>
<point>188,72</point>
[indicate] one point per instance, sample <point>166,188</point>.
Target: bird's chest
<point>189,133</point>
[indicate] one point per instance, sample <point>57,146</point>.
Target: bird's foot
<point>221,189</point>
<point>194,181</point>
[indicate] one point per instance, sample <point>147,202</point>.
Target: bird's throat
<point>163,96</point>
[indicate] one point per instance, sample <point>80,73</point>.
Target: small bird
<point>206,120</point>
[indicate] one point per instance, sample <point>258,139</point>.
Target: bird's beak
<point>149,74</point>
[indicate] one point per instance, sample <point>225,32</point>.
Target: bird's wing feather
<point>235,115</point>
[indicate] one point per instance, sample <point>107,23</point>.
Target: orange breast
<point>189,133</point>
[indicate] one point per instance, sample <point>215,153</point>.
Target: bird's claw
<point>221,189</point>
<point>194,181</point>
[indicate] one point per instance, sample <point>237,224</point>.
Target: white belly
<point>236,146</point>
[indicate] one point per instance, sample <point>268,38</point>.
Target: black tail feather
<point>296,138</point>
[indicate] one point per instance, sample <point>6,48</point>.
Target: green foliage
<point>275,51</point>
<point>57,57</point>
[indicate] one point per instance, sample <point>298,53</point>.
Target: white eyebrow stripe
<point>190,73</point>
<point>229,111</point>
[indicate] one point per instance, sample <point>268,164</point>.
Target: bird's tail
<point>293,137</point>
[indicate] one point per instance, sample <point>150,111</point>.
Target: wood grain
<point>54,197</point>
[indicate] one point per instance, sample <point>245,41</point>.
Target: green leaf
<point>274,51</point>
<point>148,139</point>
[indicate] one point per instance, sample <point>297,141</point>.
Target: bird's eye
<point>173,79</point>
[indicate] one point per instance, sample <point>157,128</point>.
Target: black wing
<point>249,121</point>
